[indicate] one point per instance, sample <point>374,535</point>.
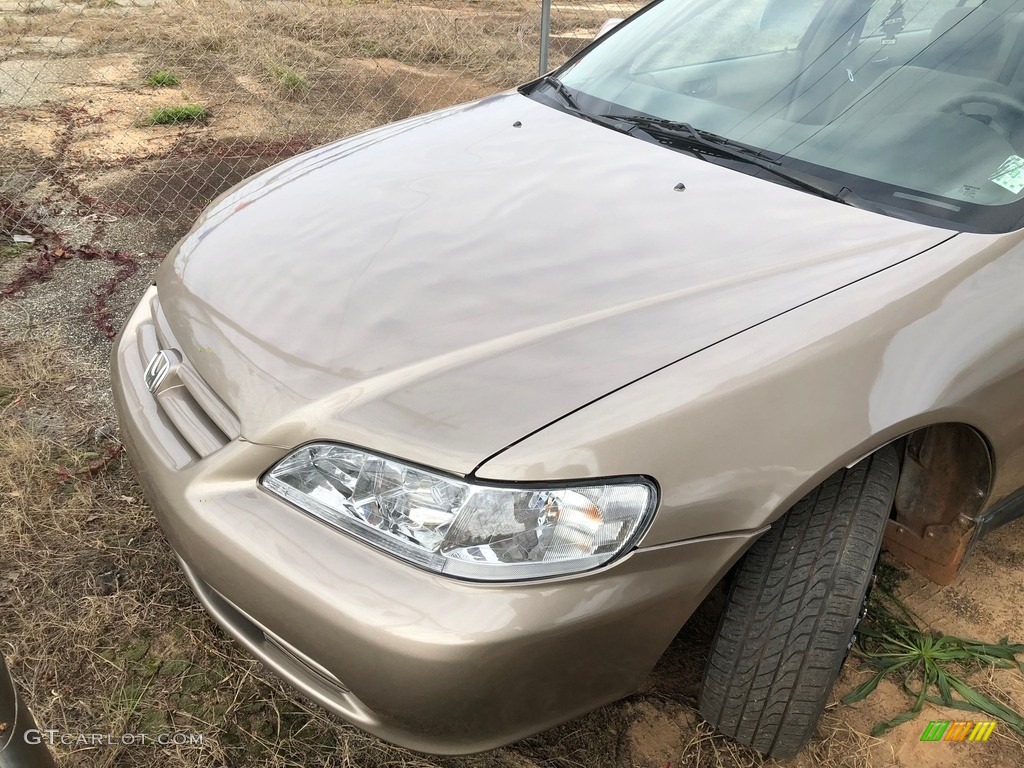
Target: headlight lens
<point>469,530</point>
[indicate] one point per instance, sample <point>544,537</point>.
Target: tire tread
<point>793,607</point>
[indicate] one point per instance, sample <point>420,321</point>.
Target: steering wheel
<point>1009,110</point>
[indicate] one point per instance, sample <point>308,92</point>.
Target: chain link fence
<point>115,111</point>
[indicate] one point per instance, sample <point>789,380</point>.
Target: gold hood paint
<point>441,288</point>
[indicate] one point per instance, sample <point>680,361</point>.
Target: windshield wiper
<point>701,143</point>
<point>672,128</point>
<point>569,104</point>
<point>563,92</point>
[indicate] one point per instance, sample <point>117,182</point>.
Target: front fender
<point>740,431</point>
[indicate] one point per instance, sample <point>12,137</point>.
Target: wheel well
<point>946,473</point>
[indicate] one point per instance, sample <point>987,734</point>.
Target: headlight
<point>469,530</point>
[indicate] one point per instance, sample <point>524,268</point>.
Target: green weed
<point>289,81</point>
<point>186,113</point>
<point>929,666</point>
<point>162,79</point>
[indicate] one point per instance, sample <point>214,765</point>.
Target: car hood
<point>443,287</point>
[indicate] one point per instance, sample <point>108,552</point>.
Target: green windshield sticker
<point>1010,174</point>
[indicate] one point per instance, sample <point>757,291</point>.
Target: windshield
<point>913,107</point>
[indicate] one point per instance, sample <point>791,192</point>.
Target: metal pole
<point>545,34</point>
<point>18,747</point>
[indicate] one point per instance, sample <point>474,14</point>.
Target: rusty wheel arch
<point>945,478</point>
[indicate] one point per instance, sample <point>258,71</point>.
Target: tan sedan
<point>454,423</point>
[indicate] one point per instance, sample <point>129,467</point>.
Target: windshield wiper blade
<point>569,104</point>
<point>563,92</point>
<point>673,127</point>
<point>702,143</point>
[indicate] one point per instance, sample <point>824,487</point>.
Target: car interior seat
<point>965,41</point>
<point>967,53</point>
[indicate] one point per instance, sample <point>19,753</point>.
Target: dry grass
<point>97,623</point>
<point>278,75</point>
<point>274,73</point>
<point>494,41</point>
<point>497,47</point>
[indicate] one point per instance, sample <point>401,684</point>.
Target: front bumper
<point>424,661</point>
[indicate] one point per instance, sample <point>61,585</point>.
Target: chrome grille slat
<point>199,420</point>
<point>163,329</point>
<point>173,450</point>
<point>194,426</point>
<point>210,404</point>
<point>148,343</point>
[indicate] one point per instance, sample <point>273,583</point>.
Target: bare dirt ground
<point>95,617</point>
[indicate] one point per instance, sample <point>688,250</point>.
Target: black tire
<point>793,607</point>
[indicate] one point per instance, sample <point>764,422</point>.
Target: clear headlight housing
<point>469,530</point>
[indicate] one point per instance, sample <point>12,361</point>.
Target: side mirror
<point>608,26</point>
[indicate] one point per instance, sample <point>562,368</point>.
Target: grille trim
<point>192,424</point>
<point>209,403</point>
<point>199,421</point>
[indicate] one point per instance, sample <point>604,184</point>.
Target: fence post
<point>545,34</point>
